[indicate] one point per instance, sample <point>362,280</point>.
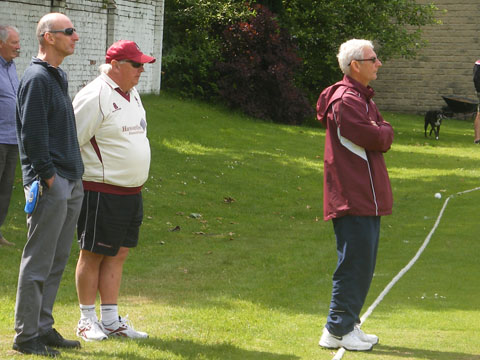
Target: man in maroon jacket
<point>356,189</point>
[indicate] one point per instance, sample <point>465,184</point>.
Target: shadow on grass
<point>403,352</point>
<point>190,350</point>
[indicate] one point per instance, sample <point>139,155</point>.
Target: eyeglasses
<point>372,59</point>
<point>136,65</point>
<point>67,31</point>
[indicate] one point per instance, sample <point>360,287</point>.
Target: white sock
<point>109,314</point>
<point>88,312</point>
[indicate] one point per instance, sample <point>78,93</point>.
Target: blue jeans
<point>357,244</point>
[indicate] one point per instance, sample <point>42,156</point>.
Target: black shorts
<point>108,222</point>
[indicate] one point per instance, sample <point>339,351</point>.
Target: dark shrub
<point>191,44</point>
<point>257,75</point>
<point>188,70</point>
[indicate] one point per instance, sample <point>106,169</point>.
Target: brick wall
<point>99,23</point>
<point>444,67</point>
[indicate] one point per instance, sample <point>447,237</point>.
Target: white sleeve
<point>88,113</point>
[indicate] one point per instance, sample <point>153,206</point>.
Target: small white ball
<point>438,196</point>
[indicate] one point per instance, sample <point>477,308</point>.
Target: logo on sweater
<point>116,108</point>
<point>132,130</point>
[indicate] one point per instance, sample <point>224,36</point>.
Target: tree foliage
<point>320,26</point>
<point>193,41</point>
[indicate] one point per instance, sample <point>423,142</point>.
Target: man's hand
<point>50,181</point>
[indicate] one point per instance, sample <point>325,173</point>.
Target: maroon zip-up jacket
<point>356,180</point>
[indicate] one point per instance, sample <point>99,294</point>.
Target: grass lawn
<point>235,261</point>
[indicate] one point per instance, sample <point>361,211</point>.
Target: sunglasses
<point>67,31</point>
<point>136,65</point>
<point>372,59</point>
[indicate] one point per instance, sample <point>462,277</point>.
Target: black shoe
<point>36,347</point>
<point>53,338</point>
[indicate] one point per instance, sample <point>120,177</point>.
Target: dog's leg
<point>437,125</point>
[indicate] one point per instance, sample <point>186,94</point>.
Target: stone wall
<point>99,23</point>
<point>444,67</point>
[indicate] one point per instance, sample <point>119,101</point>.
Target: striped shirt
<point>46,131</point>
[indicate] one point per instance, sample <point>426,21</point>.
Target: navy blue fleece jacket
<point>46,131</point>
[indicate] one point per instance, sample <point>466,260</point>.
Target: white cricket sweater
<point>112,134</point>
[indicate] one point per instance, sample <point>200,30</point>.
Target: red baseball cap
<point>127,50</point>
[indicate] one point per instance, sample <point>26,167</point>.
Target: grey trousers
<point>50,235</point>
<point>8,163</point>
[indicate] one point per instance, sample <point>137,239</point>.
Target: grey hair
<point>5,30</point>
<point>351,50</point>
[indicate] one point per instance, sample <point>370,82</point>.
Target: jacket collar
<point>38,61</point>
<point>336,91</point>
<point>366,91</point>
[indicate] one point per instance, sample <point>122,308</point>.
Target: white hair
<point>351,50</point>
<point>105,68</point>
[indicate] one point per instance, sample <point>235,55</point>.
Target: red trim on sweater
<point>125,95</point>
<point>93,141</point>
<point>110,189</point>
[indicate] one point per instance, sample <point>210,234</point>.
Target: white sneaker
<point>123,327</point>
<point>90,330</point>
<point>369,338</point>
<point>349,342</point>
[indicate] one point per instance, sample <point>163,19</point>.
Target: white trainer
<point>123,328</point>
<point>90,330</point>
<point>348,342</point>
<point>369,338</point>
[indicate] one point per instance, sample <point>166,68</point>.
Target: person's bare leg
<point>87,276</point>
<point>110,276</point>
<point>109,286</point>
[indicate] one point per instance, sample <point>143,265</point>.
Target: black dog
<point>434,119</point>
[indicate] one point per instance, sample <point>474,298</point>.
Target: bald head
<point>57,37</point>
<point>48,22</point>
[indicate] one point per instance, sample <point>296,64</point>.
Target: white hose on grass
<point>402,272</point>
